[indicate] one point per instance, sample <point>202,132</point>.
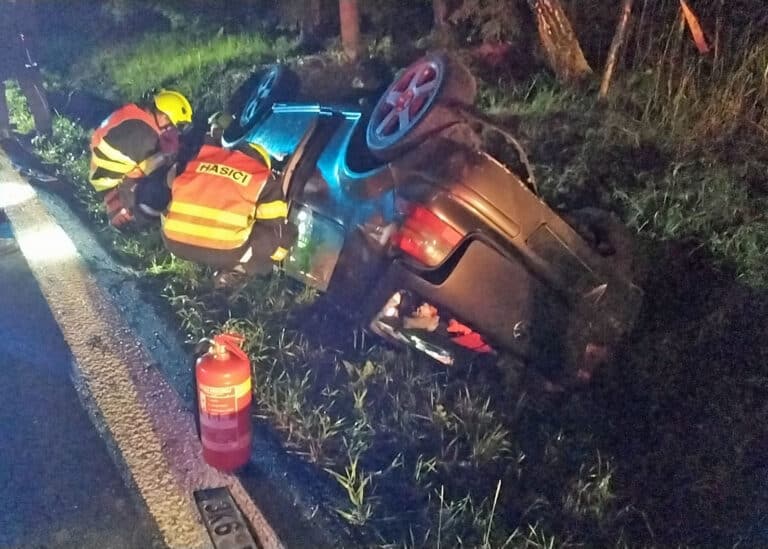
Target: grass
<point>665,190</point>
<point>206,69</point>
<point>542,94</point>
<point>666,448</point>
<point>20,115</point>
<point>716,98</point>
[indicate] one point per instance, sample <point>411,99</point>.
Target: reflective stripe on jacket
<point>106,157</point>
<point>214,201</point>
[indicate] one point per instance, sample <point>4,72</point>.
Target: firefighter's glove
<point>119,215</point>
<point>279,254</point>
<point>217,123</point>
<point>288,234</point>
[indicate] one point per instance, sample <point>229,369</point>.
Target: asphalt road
<point>59,487</point>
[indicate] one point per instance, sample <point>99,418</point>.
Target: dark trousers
<point>32,87</point>
<point>265,237</point>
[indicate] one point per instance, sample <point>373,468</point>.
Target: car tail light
<point>426,237</point>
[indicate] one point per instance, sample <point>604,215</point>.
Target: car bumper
<point>512,309</point>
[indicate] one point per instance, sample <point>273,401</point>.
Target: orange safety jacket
<point>214,202</point>
<point>109,158</point>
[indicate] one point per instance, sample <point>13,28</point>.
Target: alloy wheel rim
<point>406,101</point>
<point>262,92</point>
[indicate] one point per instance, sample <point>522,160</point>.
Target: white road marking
<point>153,434</point>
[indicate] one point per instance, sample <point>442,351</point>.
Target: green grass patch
<point>711,204</point>
<point>20,115</point>
<point>199,67</point>
<point>702,102</point>
<point>540,95</point>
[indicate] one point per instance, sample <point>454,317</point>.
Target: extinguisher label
<point>224,400</point>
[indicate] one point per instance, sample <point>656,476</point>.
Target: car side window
<point>282,131</point>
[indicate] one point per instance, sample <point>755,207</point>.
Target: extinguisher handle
<point>232,343</point>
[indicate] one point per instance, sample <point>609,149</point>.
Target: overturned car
<point>418,234</point>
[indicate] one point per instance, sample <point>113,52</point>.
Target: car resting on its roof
<point>417,233</point>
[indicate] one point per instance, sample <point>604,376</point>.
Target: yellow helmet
<point>175,106</point>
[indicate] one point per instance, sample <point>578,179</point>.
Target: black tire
<point>455,84</point>
<point>250,104</point>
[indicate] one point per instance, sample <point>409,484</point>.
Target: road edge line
<point>152,432</point>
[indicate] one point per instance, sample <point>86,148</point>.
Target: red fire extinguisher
<point>223,378</point>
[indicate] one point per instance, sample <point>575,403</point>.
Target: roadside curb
<point>150,428</point>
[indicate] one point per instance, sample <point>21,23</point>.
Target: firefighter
<point>228,211</point>
<point>17,25</point>
<point>131,152</point>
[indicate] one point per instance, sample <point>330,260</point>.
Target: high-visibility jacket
<point>109,164</point>
<point>214,202</point>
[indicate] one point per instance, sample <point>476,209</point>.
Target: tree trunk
<point>440,19</point>
<point>349,16</point>
<point>311,21</point>
<point>560,44</point>
<point>616,44</point>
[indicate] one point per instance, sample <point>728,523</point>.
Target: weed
<point>487,438</point>
<point>424,468</point>
<point>539,95</point>
<point>532,536</point>
<point>698,100</point>
<point>591,494</point>
<point>323,429</point>
<point>695,200</point>
<point>20,115</point>
<point>463,522</point>
<point>191,313</point>
<point>360,507</point>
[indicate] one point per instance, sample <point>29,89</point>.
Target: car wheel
<point>416,104</point>
<point>254,99</point>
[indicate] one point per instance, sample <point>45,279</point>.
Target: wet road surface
<point>59,487</point>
